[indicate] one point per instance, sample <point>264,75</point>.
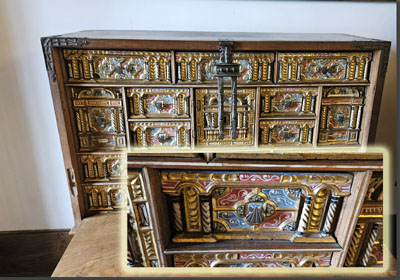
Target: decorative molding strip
<point>50,42</point>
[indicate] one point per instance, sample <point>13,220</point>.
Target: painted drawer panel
<point>288,101</point>
<point>105,197</point>
<point>157,134</point>
<point>104,167</point>
<point>366,244</point>
<point>158,102</point>
<point>199,67</point>
<point>290,132</point>
<point>250,259</point>
<point>108,66</point>
<point>323,67</point>
<point>341,113</point>
<point>141,223</point>
<point>207,117</point>
<point>99,118</point>
<point>211,206</point>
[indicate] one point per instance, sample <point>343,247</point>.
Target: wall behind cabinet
<point>32,180</point>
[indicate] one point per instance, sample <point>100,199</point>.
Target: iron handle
<point>227,69</point>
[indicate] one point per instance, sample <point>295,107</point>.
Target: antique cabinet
<point>120,93</point>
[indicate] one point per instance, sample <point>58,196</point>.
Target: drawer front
<point>99,118</point>
<point>210,206</point>
<point>108,66</point>
<point>250,259</point>
<point>105,167</point>
<point>199,67</point>
<point>158,102</point>
<point>207,117</point>
<point>341,116</point>
<point>292,132</point>
<point>323,67</point>
<point>157,134</point>
<point>366,244</point>
<point>141,223</point>
<point>288,101</point>
<point>105,197</point>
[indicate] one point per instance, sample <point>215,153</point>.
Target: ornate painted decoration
<point>158,102</point>
<point>340,119</point>
<point>104,167</point>
<point>156,134</point>
<point>292,132</point>
<point>141,223</point>
<point>252,202</point>
<point>105,197</point>
<point>199,67</point>
<point>99,118</point>
<point>249,259</point>
<point>323,67</point>
<point>104,65</point>
<point>207,117</point>
<point>288,101</point>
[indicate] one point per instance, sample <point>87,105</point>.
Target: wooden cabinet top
<point>198,40</point>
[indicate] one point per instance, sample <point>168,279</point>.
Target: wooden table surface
<point>98,249</point>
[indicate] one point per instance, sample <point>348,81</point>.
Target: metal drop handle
<point>227,69</point>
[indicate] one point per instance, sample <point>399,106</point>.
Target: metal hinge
<point>72,181</point>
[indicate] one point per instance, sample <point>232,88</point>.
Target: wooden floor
<point>31,253</point>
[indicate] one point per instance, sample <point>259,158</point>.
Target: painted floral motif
<point>260,178</point>
<point>232,197</point>
<point>280,197</point>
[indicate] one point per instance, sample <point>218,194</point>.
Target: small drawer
<point>90,142</point>
<point>108,66</point>
<point>105,197</point>
<point>158,102</point>
<point>254,259</point>
<point>158,134</point>
<point>341,115</point>
<point>99,117</point>
<point>207,117</point>
<point>199,67</point>
<point>288,101</point>
<point>291,132</point>
<point>104,167</point>
<point>222,205</point>
<point>323,67</point>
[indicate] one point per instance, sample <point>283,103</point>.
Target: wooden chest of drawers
<point>120,93</point>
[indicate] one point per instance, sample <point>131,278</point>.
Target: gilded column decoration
<point>141,222</point>
<point>176,207</point>
<point>199,67</point>
<point>192,207</point>
<point>99,118</point>
<point>304,216</point>
<point>341,115</point>
<point>355,243</point>
<point>318,210</point>
<point>156,134</point>
<point>330,215</point>
<point>232,205</point>
<point>370,243</point>
<point>105,65</point>
<point>287,131</point>
<point>205,214</point>
<point>323,67</point>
